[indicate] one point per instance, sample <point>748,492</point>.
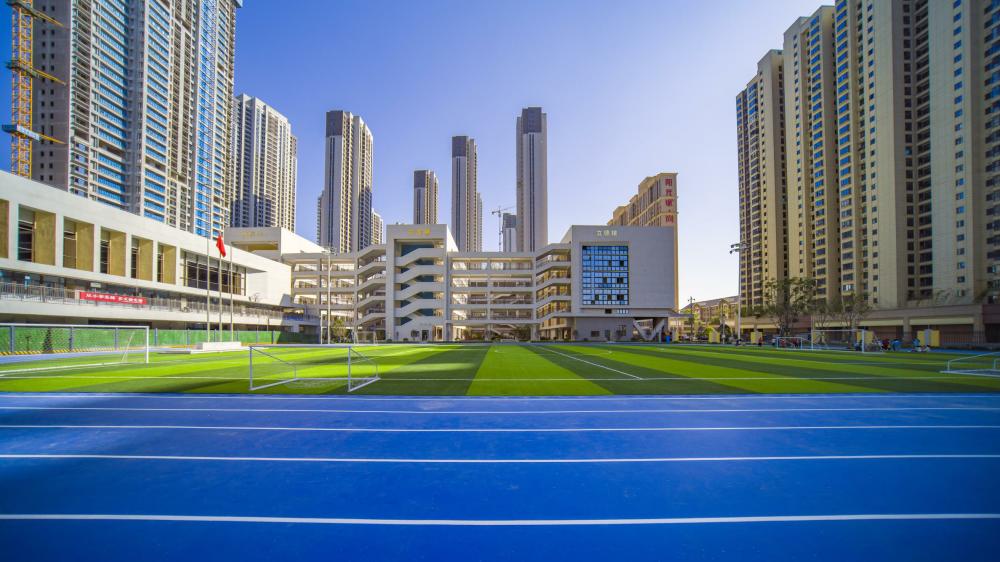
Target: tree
<point>338,329</point>
<point>785,300</point>
<point>853,309</point>
<point>823,311</point>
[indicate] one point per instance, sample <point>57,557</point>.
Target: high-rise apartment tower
<point>466,203</point>
<point>532,179</point>
<point>146,112</point>
<point>265,161</point>
<point>425,197</point>
<point>344,222</point>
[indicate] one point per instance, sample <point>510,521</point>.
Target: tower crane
<point>23,75</point>
<point>499,212</point>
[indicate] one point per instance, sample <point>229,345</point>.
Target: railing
<point>59,295</point>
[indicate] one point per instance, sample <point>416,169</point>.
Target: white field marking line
<point>490,429</point>
<point>70,456</point>
<point>525,399</point>
<point>678,379</point>
<point>502,413</point>
<point>968,373</point>
<point>498,522</point>
<point>535,379</point>
<point>879,363</point>
<point>125,377</point>
<point>590,363</point>
<point>593,350</point>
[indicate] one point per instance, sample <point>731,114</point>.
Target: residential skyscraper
<point>146,112</point>
<point>509,232</point>
<point>760,125</point>
<point>655,205</point>
<point>466,204</point>
<point>479,223</point>
<point>532,179</point>
<point>378,228</point>
<point>892,165</point>
<point>345,207</point>
<point>265,161</point>
<point>425,197</point>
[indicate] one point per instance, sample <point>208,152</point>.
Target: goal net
<point>326,366</point>
<point>41,347</point>
<point>791,342</point>
<point>364,337</point>
<point>843,340</point>
<point>829,340</point>
<point>985,364</point>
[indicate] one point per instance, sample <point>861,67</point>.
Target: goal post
<point>38,347</point>
<point>983,365</point>
<point>830,340</point>
<point>791,342</point>
<point>311,366</point>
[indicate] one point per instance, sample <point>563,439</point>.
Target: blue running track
<point>117,477</point>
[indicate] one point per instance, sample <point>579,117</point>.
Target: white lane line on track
<point>523,399</point>
<point>549,350</point>
<point>57,456</point>
<point>498,522</point>
<point>526,379</point>
<point>501,413</point>
<point>490,429</point>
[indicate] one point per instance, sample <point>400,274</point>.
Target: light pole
<point>735,249</point>
<point>255,299</point>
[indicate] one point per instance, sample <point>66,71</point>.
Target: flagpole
<point>231,331</point>
<point>208,288</point>
<point>220,293</point>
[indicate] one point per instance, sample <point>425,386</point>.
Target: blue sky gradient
<point>631,88</point>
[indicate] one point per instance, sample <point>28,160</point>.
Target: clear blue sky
<point>631,88</point>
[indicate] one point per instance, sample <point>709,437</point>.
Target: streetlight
<point>256,299</point>
<point>735,249</point>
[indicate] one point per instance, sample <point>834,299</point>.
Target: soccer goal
<point>42,347</point>
<point>791,342</point>
<point>311,366</point>
<point>829,340</point>
<point>841,340</point>
<point>364,337</point>
<point>984,365</point>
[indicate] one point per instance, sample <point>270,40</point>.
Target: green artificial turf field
<point>510,369</point>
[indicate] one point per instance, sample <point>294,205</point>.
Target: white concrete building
<point>344,209</point>
<point>68,259</point>
<point>58,250</point>
<point>265,157</point>
<point>532,179</point>
<point>598,283</point>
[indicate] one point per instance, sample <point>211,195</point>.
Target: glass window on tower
<point>605,275</point>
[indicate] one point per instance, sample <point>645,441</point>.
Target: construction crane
<point>499,212</point>
<point>23,75</point>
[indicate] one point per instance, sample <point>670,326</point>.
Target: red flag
<point>220,245</point>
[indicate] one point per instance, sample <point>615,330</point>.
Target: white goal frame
<point>794,342</point>
<point>809,340</point>
<point>8,347</point>
<point>954,366</point>
<point>353,357</point>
